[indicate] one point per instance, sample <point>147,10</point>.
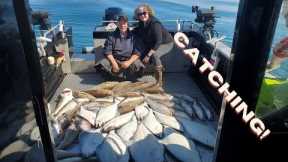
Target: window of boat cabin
<point>273,97</point>
<point>18,128</point>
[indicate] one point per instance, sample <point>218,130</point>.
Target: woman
<point>155,40</point>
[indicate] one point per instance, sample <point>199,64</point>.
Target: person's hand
<point>115,68</point>
<point>146,60</point>
<point>125,64</point>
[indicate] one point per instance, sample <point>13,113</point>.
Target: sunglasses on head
<point>141,13</point>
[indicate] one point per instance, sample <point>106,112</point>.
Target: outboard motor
<point>111,14</point>
<point>207,18</point>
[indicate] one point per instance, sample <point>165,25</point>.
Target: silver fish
<point>169,121</point>
<point>107,114</point>
<point>159,107</point>
<point>82,101</point>
<point>180,147</point>
<point>153,124</point>
<point>14,150</point>
<point>65,96</point>
<point>207,112</point>
<point>89,141</point>
<point>26,128</point>
<point>118,122</point>
<point>35,134</point>
<point>88,115</point>
<point>198,111</point>
<point>181,114</point>
<point>145,146</point>
<point>185,97</point>
<point>70,108</point>
<point>141,111</point>
<point>199,132</point>
<point>112,149</point>
<point>188,109</point>
<point>129,104</point>
<point>127,131</point>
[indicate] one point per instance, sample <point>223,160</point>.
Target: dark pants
<point>156,57</point>
<point>131,73</point>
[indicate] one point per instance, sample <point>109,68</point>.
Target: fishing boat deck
<point>174,83</point>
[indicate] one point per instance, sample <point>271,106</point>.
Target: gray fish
<point>129,104</point>
<point>181,114</point>
<point>199,132</point>
<point>26,128</point>
<point>82,101</point>
<point>198,111</point>
<point>65,96</point>
<point>107,114</point>
<point>127,131</point>
<point>159,107</point>
<point>90,116</point>
<point>185,97</point>
<point>169,121</point>
<point>14,151</point>
<point>69,109</point>
<point>207,112</point>
<point>117,122</point>
<point>180,147</point>
<point>35,134</point>
<point>96,105</point>
<point>112,149</point>
<point>188,109</point>
<point>89,141</point>
<point>153,124</point>
<point>145,146</point>
<point>70,136</point>
<point>141,111</point>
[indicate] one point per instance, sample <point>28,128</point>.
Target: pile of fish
<point>131,121</point>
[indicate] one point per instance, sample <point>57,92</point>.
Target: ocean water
<point>84,15</point>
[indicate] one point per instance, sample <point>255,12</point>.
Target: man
<point>121,55</point>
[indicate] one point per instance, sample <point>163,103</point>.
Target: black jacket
<point>153,34</point>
